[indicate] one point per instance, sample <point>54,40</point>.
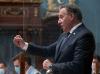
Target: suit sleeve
<point>83,54</point>
<point>45,51</point>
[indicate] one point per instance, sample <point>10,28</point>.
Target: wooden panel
<point>17,14</point>
<point>22,17</point>
<point>29,1</point>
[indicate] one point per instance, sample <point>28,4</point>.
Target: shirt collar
<point>76,26</point>
<point>29,69</point>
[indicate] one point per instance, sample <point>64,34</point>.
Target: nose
<point>59,21</point>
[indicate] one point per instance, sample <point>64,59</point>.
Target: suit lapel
<point>71,36</point>
<point>58,45</point>
<point>66,43</point>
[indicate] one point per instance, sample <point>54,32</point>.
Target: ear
<point>72,16</point>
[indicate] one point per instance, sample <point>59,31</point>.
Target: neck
<point>72,25</point>
<point>75,22</point>
<point>27,68</point>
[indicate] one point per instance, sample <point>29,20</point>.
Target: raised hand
<point>18,41</point>
<point>46,64</point>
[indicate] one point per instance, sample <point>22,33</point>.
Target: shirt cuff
<point>25,46</point>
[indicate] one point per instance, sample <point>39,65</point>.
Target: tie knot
<point>66,34</point>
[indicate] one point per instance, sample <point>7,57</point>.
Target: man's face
<point>65,19</point>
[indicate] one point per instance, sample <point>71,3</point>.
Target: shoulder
<point>62,34</point>
<point>34,70</point>
<point>83,31</point>
<point>9,71</point>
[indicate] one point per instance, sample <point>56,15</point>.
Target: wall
<point>91,13</point>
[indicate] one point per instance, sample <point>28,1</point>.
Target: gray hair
<point>73,9</point>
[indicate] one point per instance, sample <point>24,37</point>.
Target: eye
<point>61,16</point>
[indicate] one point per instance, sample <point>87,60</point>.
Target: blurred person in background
<point>4,69</point>
<point>29,69</point>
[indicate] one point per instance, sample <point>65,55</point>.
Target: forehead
<point>63,11</point>
<point>16,61</point>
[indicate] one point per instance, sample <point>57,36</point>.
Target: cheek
<point>65,21</point>
<point>93,66</point>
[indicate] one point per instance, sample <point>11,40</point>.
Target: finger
<point>46,61</point>
<point>45,67</point>
<point>18,35</point>
<point>17,40</point>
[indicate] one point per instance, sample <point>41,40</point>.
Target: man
<point>16,63</point>
<point>4,69</point>
<point>73,51</point>
<point>29,69</point>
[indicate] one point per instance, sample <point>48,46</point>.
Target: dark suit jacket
<point>74,57</point>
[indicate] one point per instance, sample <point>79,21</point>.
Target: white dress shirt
<point>32,70</point>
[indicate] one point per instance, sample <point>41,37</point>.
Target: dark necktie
<point>65,38</point>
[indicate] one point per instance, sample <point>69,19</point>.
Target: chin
<point>63,30</point>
